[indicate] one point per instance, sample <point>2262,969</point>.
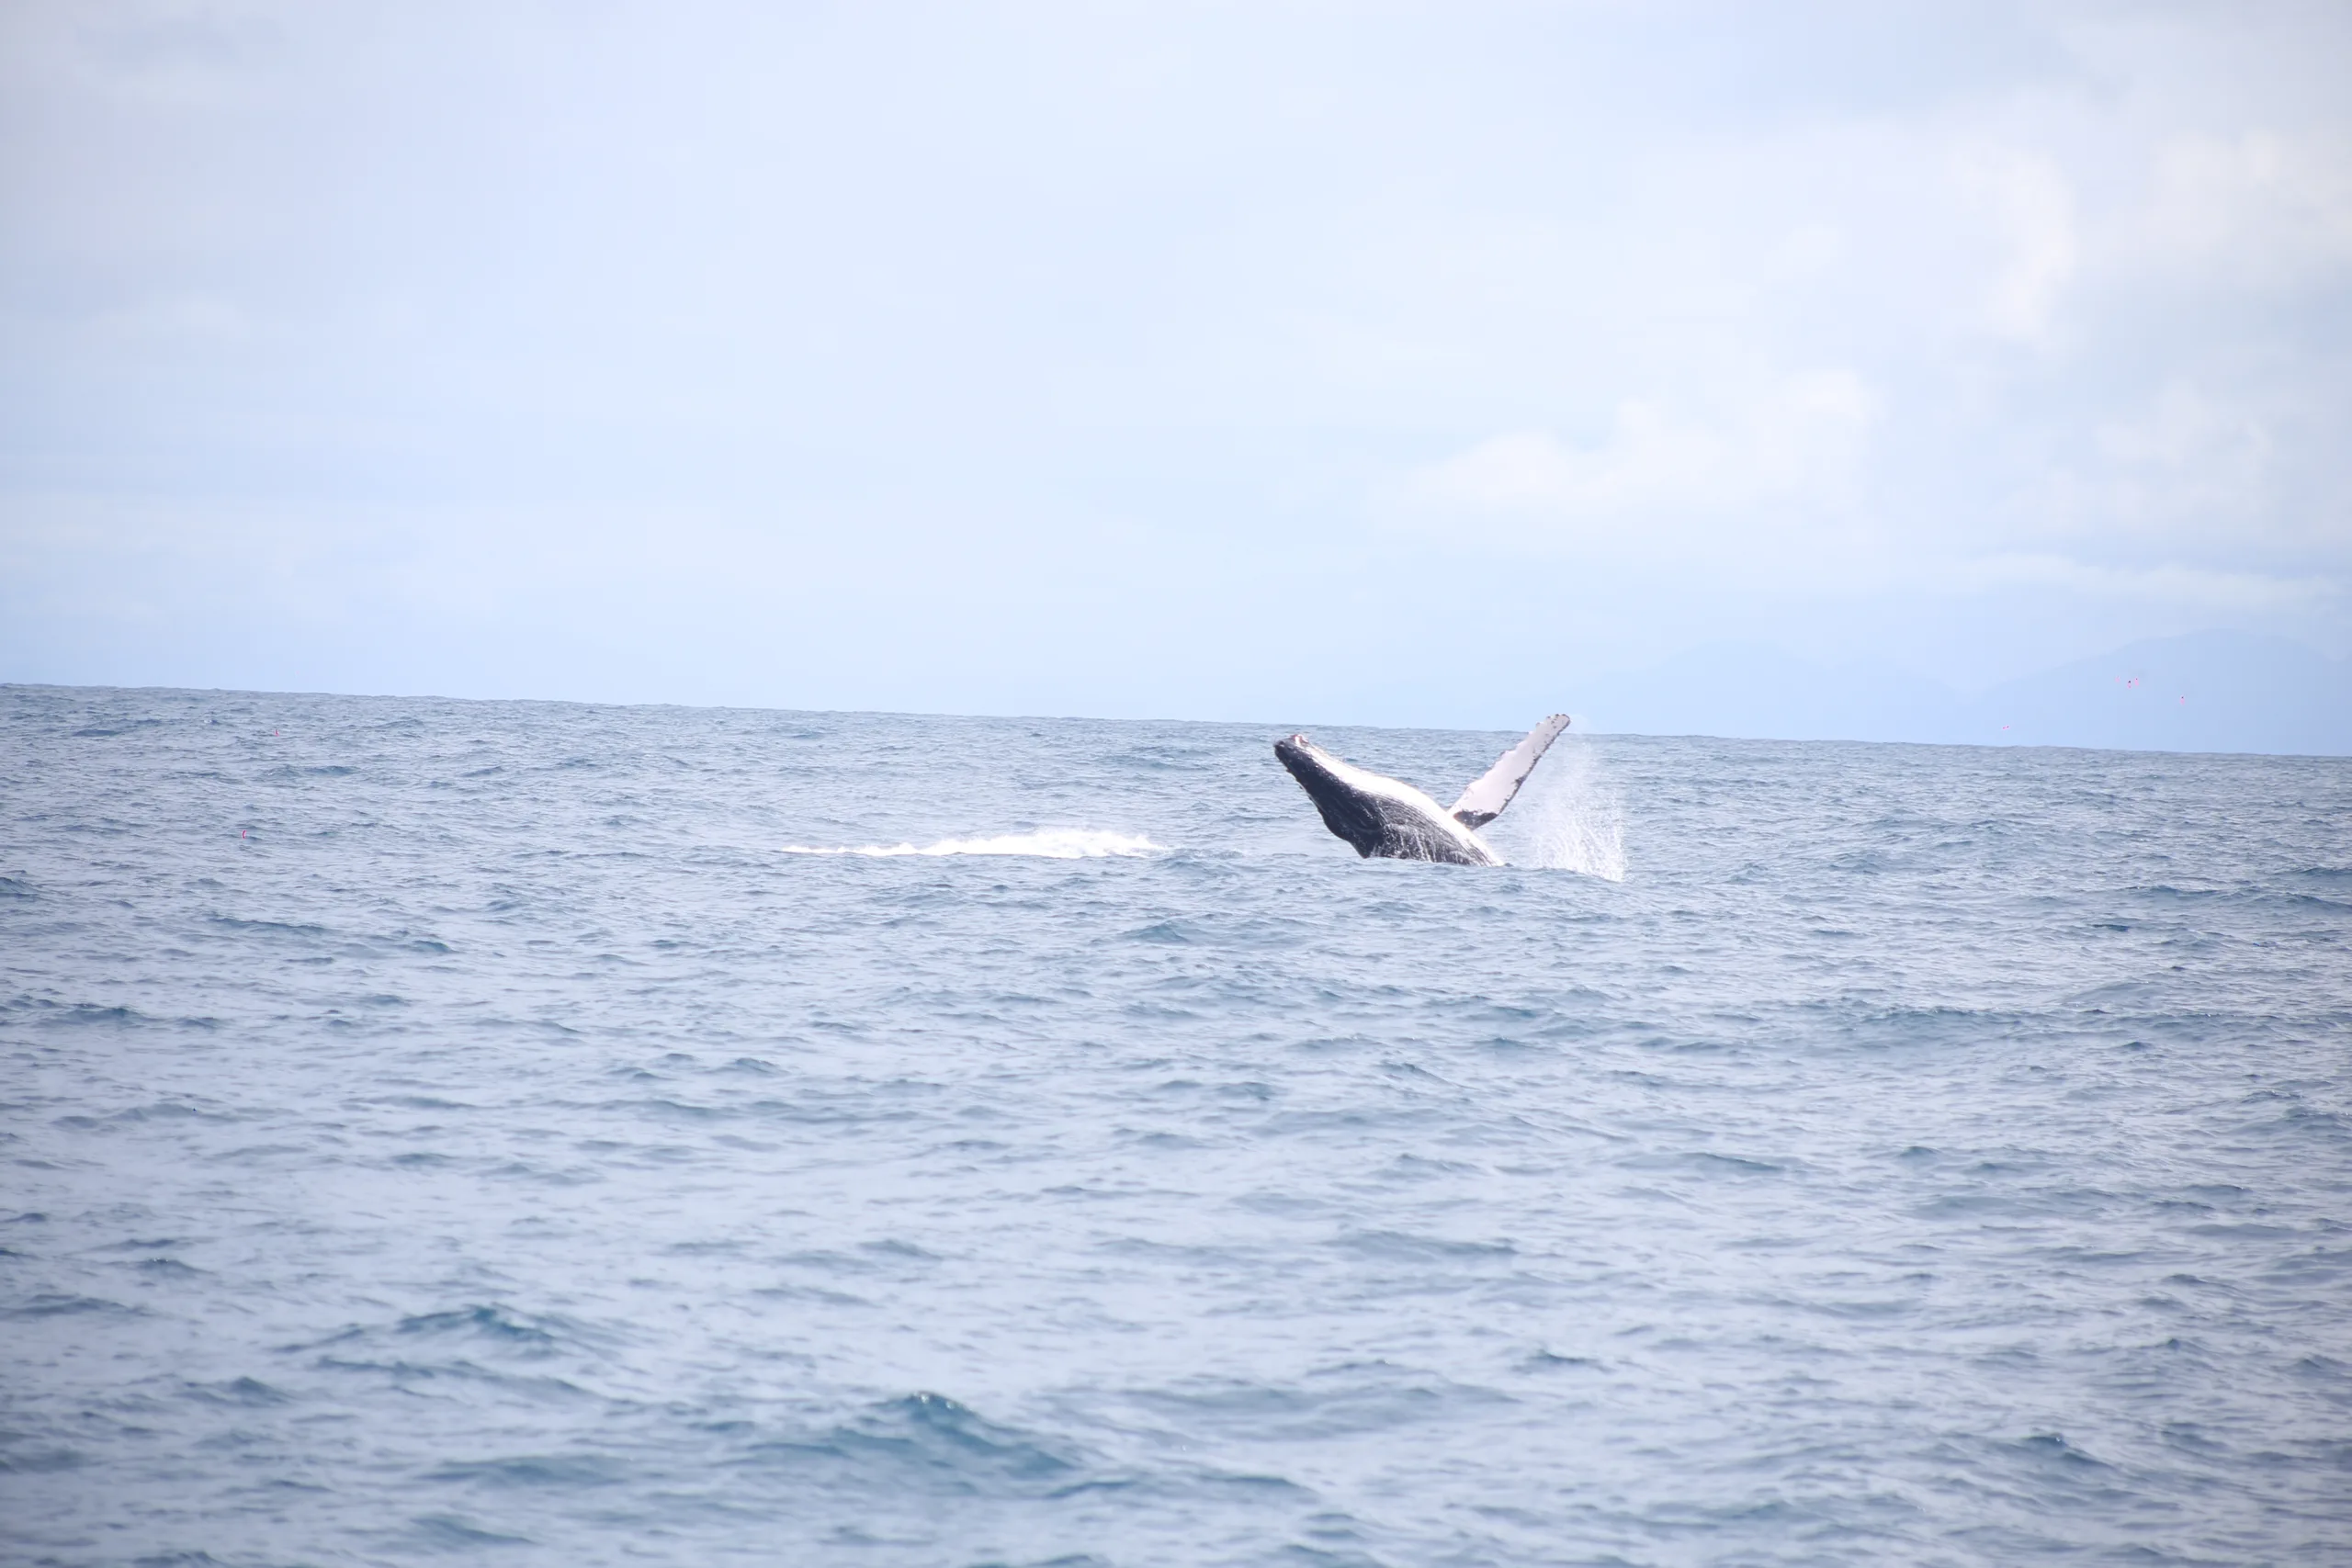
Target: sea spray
<point>1569,817</point>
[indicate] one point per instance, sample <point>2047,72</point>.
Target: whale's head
<point>1308,763</point>
<point>1345,809</point>
<point>1295,752</point>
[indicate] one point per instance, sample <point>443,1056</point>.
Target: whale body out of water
<point>1386,817</point>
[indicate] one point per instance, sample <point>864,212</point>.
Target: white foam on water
<point>1569,817</point>
<point>1052,843</point>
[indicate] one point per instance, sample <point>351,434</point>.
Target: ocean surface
<point>533,1134</point>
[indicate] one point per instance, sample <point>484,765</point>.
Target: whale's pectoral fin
<point>1483,800</point>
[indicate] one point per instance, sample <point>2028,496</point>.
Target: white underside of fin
<point>1492,790</point>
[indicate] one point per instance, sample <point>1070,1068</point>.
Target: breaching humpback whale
<point>1384,817</point>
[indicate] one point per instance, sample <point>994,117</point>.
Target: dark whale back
<point>1378,816</point>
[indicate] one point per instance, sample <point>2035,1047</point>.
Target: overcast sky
<point>1344,362</point>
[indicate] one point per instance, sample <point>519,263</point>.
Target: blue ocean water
<point>442,1131</point>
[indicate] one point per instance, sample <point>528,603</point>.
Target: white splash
<point>1053,843</point>
<point>1569,817</point>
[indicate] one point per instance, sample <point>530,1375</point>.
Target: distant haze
<point>2211,692</point>
<point>1841,369</point>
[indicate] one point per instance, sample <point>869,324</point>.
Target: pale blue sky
<point>1388,363</point>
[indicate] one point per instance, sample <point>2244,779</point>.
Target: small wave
<point>1053,843</point>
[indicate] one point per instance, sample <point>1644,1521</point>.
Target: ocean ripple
<point>449,1130</point>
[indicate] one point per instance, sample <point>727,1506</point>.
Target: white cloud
<point>2170,584</point>
<point>175,319</point>
<point>2261,205</point>
<point>2184,473</point>
<point>837,286</point>
<point>1801,442</point>
<point>2034,205</point>
<point>2186,432</point>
